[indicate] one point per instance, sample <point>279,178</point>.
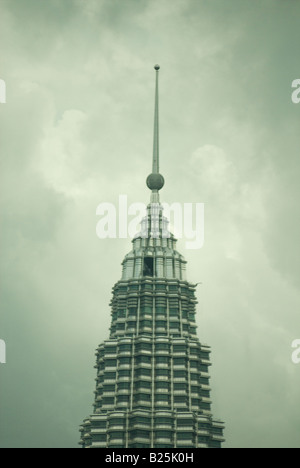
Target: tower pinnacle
<point>155,180</point>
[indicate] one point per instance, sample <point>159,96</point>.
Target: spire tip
<point>156,67</point>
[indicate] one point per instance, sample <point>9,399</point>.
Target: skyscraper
<point>152,387</point>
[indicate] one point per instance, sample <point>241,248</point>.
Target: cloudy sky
<point>77,131</point>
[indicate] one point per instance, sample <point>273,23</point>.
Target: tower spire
<point>155,180</point>
<point>155,165</point>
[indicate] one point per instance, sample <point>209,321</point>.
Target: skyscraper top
<point>155,180</point>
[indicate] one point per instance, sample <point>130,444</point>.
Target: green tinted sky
<point>77,131</point>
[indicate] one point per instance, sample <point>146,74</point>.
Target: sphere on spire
<point>155,181</point>
<point>156,67</point>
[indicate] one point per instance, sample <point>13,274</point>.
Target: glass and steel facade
<point>152,386</point>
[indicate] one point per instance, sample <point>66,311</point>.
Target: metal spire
<point>155,180</point>
<point>155,165</point>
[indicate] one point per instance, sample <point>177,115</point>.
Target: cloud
<point>77,131</point>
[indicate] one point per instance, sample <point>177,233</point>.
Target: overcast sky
<point>77,131</point>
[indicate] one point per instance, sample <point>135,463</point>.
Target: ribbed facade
<point>152,386</point>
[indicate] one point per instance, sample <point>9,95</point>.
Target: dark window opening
<point>148,266</point>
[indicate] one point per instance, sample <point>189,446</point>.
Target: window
<point>99,438</point>
<point>132,311</point>
<point>124,386</point>
<point>203,440</point>
<point>204,355</point>
<point>194,364</point>
<point>143,347</point>
<point>124,373</point>
<point>180,399</point>
<point>121,313</point>
<point>174,325</point>
<point>148,266</point>
<point>215,444</point>
<point>162,360</point>
<point>124,348</point>
<point>179,362</point>
<point>146,324</point>
<point>162,347</point>
<point>203,368</point>
<point>185,423</point>
<point>165,421</point>
<point>123,399</point>
<point>139,433</point>
<point>109,375</point>
<point>217,431</point>
<point>174,312</point>
<point>180,386</point>
<point>162,373</point>
<point>205,406</point>
<point>146,310</point>
<point>185,435</point>
<point>110,350</point>
<point>139,446</point>
<point>162,385</point>
<point>143,359</point>
<point>204,381</point>
<point>143,384</point>
<point>117,422</point>
<point>108,388</point>
<point>124,360</point>
<point>99,425</point>
<point>131,325</point>
<point>108,401</point>
<point>116,435</point>
<point>140,420</point>
<point>142,396</point>
<point>162,397</point>
<point>179,348</point>
<point>163,434</point>
<point>179,374</point>
<point>143,372</point>
<point>110,363</point>
<point>195,402</point>
<point>160,324</point>
<point>202,426</point>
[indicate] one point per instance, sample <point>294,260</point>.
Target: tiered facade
<point>153,382</point>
